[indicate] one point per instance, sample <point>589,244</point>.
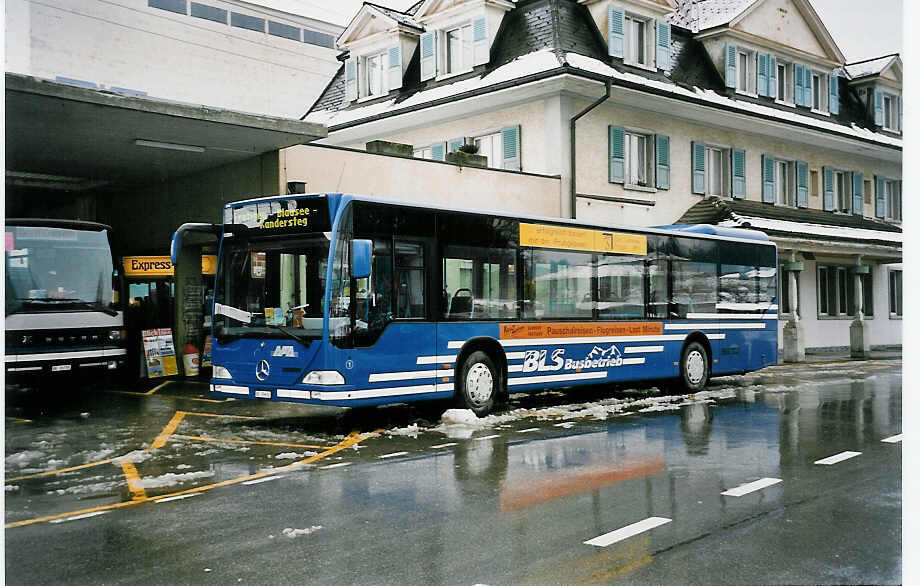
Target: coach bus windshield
<point>57,269</point>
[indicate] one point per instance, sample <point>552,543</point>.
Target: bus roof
<point>692,230</point>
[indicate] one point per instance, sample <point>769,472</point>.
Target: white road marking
<point>266,479</point>
<point>339,465</point>
<point>76,517</point>
<point>393,455</point>
<point>627,532</point>
<point>488,437</point>
<point>895,439</point>
<point>177,498</point>
<point>831,460</point>
<point>752,487</point>
<point>528,430</point>
<point>439,446</point>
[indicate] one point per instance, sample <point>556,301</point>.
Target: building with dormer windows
<point>734,112</point>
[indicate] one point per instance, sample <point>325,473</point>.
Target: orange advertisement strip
<point>579,330</point>
<point>161,266</point>
<point>581,239</point>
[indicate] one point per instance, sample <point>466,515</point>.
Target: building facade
<point>737,112</point>
<point>227,54</point>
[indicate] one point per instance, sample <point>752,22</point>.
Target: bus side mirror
<point>361,258</point>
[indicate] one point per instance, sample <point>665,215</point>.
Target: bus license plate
<point>263,394</point>
<point>60,367</point>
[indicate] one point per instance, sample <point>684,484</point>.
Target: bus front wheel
<point>694,367</point>
<point>479,383</point>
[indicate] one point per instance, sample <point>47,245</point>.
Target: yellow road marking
<point>231,441</point>
<point>352,439</point>
<point>134,481</point>
<point>19,420</point>
<point>170,428</point>
<point>59,471</point>
<point>158,387</point>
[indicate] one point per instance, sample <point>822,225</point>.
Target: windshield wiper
<point>305,340</point>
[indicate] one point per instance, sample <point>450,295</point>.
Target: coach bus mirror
<point>184,232</point>
<point>361,258</point>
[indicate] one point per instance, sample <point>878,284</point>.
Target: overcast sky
<point>845,19</point>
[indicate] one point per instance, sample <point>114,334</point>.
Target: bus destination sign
<point>283,216</point>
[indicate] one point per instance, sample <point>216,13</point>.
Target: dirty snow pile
<point>292,533</point>
<point>172,478</point>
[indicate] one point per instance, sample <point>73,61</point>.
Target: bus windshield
<point>272,287</point>
<point>57,269</point>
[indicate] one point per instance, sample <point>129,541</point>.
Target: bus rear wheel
<point>694,367</point>
<point>479,384</point>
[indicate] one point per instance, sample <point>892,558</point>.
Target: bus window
<point>558,284</point>
<point>620,287</point>
<point>738,287</point>
<point>694,287</point>
<point>410,280</point>
<point>374,297</point>
<point>478,283</point>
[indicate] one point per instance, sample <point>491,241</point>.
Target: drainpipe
<point>572,122</point>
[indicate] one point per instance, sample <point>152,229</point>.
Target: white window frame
<point>744,77</point>
<point>896,297</point>
<point>465,30</point>
<point>494,155</point>
<point>724,154</point>
<point>422,153</point>
<point>638,148</point>
<point>790,188</point>
<point>819,89</point>
<point>890,118</point>
<point>365,89</point>
<point>630,44</point>
<point>788,86</point>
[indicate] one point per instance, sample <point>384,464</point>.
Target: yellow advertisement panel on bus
<point>568,238</point>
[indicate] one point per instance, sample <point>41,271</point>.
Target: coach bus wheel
<point>479,383</point>
<point>694,367</point>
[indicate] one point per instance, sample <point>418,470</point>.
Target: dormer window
<point>743,69</point>
<point>635,40</point>
<point>375,74</point>
<point>459,43</point>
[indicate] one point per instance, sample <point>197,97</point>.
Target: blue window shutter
<point>769,182</point>
<point>617,142</point>
<point>454,144</point>
<point>698,167</point>
<point>615,25</point>
<point>663,45</point>
<point>429,54</point>
<point>799,85</point>
<point>771,83</point>
<point>731,66</point>
<point>801,184</point>
<point>808,97</point>
<point>480,41</point>
<point>738,179</point>
<point>879,105</point>
<point>662,162</point>
<point>395,71</point>
<point>511,148</point>
<point>857,193</point>
<point>763,64</point>
<point>879,197</point>
<point>828,189</point>
<point>438,151</point>
<point>833,94</point>
<point>351,80</point>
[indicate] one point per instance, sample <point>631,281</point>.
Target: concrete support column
<point>794,332</point>
<point>859,329</point>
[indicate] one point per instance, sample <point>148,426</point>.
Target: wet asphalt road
<point>279,493</point>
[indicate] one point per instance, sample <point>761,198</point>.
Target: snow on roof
<point>593,65</point>
<point>699,15</point>
<point>536,62</point>
<point>869,67</point>
<point>546,60</point>
<point>400,17</point>
<point>818,230</point>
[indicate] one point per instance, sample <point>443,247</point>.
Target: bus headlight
<point>220,372</point>
<point>114,335</point>
<point>324,377</point>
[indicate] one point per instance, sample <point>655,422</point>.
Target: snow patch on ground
<point>410,431</point>
<point>21,459</point>
<point>183,466</point>
<point>295,455</point>
<point>292,533</point>
<point>171,478</point>
<point>135,457</point>
<point>94,488</point>
<point>11,487</point>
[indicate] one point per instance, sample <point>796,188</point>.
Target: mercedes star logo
<point>262,370</point>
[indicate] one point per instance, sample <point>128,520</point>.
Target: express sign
<point>161,266</point>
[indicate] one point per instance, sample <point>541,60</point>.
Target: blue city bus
<point>345,300</point>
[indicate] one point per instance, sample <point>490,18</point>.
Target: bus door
<point>393,316</point>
